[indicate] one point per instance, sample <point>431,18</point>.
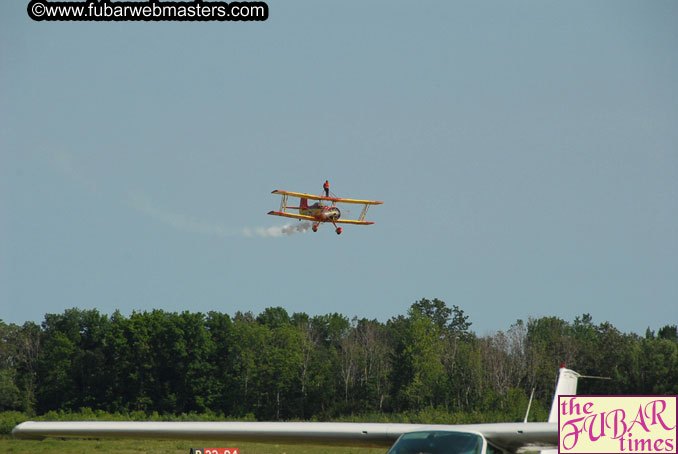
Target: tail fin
<point>567,385</point>
<point>303,204</point>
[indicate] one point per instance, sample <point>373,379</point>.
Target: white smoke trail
<point>145,205</point>
<point>277,231</point>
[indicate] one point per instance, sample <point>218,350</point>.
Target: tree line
<point>276,366</point>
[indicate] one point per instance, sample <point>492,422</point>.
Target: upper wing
<point>301,195</point>
<point>509,436</point>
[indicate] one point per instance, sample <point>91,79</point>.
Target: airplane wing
<point>508,436</point>
<point>291,215</point>
<point>311,218</point>
<point>314,432</point>
<point>352,221</point>
<point>301,195</point>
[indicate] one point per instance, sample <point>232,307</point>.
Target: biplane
<point>323,210</point>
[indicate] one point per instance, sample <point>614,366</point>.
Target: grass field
<point>57,446</point>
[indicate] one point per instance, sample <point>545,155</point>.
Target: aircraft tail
<point>567,385</point>
<point>303,204</point>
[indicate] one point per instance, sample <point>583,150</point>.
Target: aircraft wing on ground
<point>508,436</point>
<point>301,195</point>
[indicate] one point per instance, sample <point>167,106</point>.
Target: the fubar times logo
<point>617,424</point>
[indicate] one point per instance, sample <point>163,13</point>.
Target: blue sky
<point>526,152</point>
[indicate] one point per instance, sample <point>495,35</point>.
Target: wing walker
<point>323,210</point>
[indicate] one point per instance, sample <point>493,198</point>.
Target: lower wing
<point>350,221</point>
<point>311,218</point>
<point>292,215</point>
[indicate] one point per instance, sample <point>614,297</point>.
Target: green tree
<point>10,395</point>
<point>57,365</point>
<point>195,371</point>
<point>658,367</point>
<point>419,373</point>
<point>668,332</point>
<point>280,371</point>
<point>71,363</point>
<point>274,317</point>
<point>222,382</point>
<point>250,340</point>
<point>27,354</point>
<point>423,350</point>
<point>374,351</point>
<point>549,344</point>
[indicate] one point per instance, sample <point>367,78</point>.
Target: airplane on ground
<point>320,212</point>
<point>494,438</point>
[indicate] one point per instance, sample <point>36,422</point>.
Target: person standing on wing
<point>326,187</point>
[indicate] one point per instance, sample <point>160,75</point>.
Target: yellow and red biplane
<point>321,211</point>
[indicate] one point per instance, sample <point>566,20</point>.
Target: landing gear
<point>338,229</point>
<point>315,227</point>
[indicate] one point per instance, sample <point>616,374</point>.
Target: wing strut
<point>364,212</point>
<point>283,203</point>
